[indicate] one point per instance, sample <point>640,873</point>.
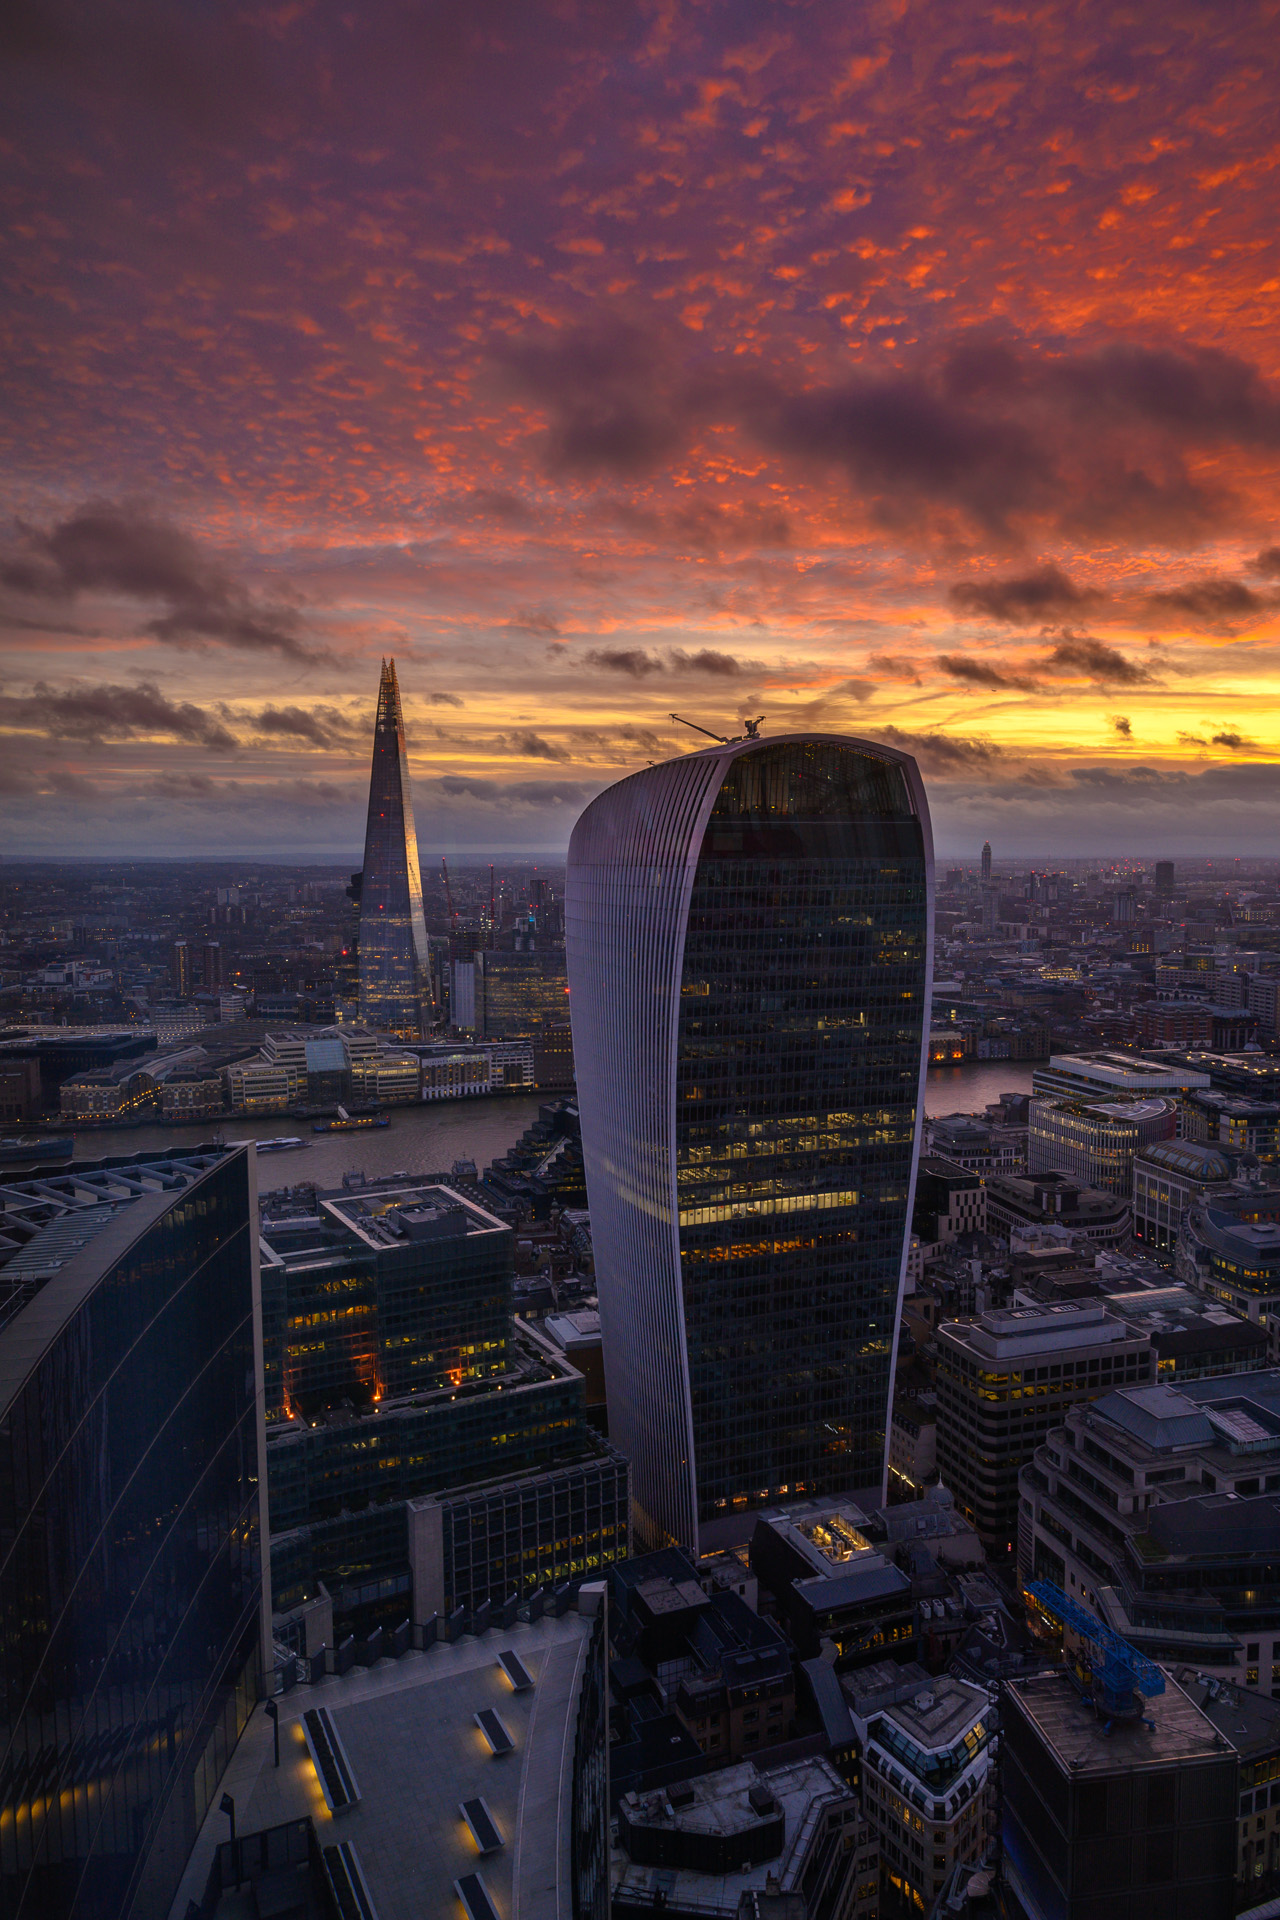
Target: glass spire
<point>394,966</point>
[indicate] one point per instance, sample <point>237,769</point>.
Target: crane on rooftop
<point>1107,1669</point>
<point>752,730</point>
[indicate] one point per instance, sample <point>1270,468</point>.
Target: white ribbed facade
<point>633,861</point>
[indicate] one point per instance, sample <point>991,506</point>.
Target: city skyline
<point>904,374</point>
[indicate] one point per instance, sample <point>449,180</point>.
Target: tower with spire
<point>394,960</point>
<point>986,863</point>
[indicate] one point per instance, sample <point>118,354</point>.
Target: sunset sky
<point>907,370</point>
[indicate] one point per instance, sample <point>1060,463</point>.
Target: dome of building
<point>1190,1159</point>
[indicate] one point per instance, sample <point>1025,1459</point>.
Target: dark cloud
<point>602,392</point>
<point>634,662</point>
<point>535,620</point>
<point>532,746</point>
<point>494,503</point>
<point>442,699</point>
<point>1082,654</point>
<point>318,726</point>
<point>1192,740</point>
<point>942,752</point>
<point>902,442</point>
<point>995,434</point>
<point>93,714</point>
<point>1200,396</point>
<point>104,548</point>
<point>708,527</point>
<point>1268,562</point>
<point>1025,600</point>
<point>1236,742</point>
<point>1213,599</point>
<point>522,793</point>
<point>706,660</point>
<point>897,666</point>
<point>977,673</point>
<point>1123,725</point>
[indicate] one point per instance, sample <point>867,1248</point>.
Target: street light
<point>273,1715</point>
<point>228,1806</point>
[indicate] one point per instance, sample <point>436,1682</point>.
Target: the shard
<point>394,963</point>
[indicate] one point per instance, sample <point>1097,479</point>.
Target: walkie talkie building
<point>749,934</point>
<point>395,970</point>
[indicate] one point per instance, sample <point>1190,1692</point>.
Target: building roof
<point>1180,1320</point>
<point>722,1802</point>
<point>1189,1158</point>
<point>327,1056</point>
<point>409,1731</point>
<point>1248,1720</point>
<point>936,1716</point>
<point>1162,1417</point>
<point>1122,1070</point>
<point>1023,1333</point>
<point>1172,1729</point>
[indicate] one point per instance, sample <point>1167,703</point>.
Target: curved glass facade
<point>130,1577</point>
<point>749,945</point>
<point>798,1067</point>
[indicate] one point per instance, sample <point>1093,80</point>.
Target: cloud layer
<point>909,370</point>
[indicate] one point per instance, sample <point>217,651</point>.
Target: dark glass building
<point>748,935</point>
<point>130,1568</point>
<point>396,1374</point>
<point>394,963</point>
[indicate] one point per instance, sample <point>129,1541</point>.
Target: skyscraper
<point>986,863</point>
<point>132,1612</point>
<point>394,968</point>
<point>749,938</point>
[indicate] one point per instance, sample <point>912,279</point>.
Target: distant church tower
<point>394,961</point>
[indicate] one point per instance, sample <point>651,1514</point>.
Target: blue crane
<point>1119,1671</point>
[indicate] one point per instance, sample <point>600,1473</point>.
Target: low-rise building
<point>786,1843</point>
<point>1005,1381</point>
<point>1103,1075</point>
<point>979,1145</point>
<point>928,1778</point>
<point>950,1200</point>
<point>1095,1141</point>
<point>1234,1120</point>
<point>193,1093</point>
<point>1251,1726</point>
<point>1194,1337</point>
<point>1159,1508</point>
<point>830,1584</point>
<point>1170,1177</point>
<point>913,1441</point>
<point>1138,1812</point>
<point>1020,1203</point>
<point>1229,1247</point>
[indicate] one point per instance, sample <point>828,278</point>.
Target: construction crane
<point>752,730</point>
<point>448,896</point>
<point>1107,1669</point>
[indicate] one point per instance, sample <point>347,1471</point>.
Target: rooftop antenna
<point>752,730</point>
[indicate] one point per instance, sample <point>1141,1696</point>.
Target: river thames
<point>429,1138</point>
